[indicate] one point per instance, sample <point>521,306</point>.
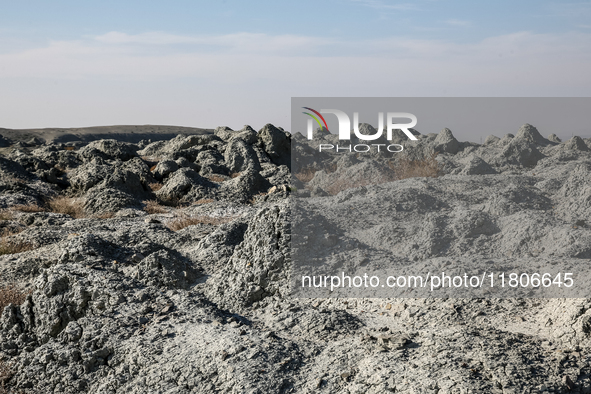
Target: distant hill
<point>121,133</point>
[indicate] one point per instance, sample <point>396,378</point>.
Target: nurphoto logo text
<point>345,129</point>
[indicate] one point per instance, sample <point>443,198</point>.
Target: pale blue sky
<point>204,64</point>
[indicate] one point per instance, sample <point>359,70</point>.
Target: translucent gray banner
<point>384,209</point>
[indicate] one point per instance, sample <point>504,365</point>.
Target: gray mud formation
<point>173,274</point>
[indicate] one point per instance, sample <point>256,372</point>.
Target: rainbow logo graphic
<point>315,118</point>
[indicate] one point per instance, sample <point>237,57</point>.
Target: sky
<point>230,63</point>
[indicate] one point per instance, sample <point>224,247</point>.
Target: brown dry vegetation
<point>306,174</point>
<point>151,159</point>
<point>104,215</point>
<point>69,148</point>
<point>27,208</point>
<point>152,168</point>
<point>427,166</point>
<point>67,205</point>
<point>185,221</point>
<point>172,202</point>
<point>345,183</point>
<point>403,169</point>
<point>216,178</point>
<point>11,294</point>
<point>6,215</point>
<point>234,175</point>
<point>254,198</point>
<point>5,375</point>
<point>152,206</point>
<point>10,245</point>
<point>155,186</point>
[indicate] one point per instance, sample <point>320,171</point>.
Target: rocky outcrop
<point>446,142</point>
<point>258,267</point>
<point>521,152</point>
<point>4,142</point>
<point>477,166</point>
<point>12,170</point>
<point>109,149</point>
<point>164,168</point>
<point>531,135</point>
<point>240,156</point>
<point>275,143</point>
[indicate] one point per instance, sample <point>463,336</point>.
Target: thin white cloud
<point>238,42</point>
<point>149,38</point>
<point>241,76</point>
<point>458,23</point>
<point>246,55</point>
<point>387,6</point>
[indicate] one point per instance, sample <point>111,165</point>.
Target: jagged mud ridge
<point>164,267</point>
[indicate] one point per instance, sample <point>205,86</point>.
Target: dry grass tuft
<point>152,168</point>
<point>254,198</point>
<point>234,175</point>
<point>104,215</point>
<point>9,245</point>
<point>345,183</point>
<point>67,205</point>
<point>216,178</point>
<point>330,168</point>
<point>27,208</point>
<point>203,201</point>
<point>341,184</point>
<point>427,166</point>
<point>185,221</point>
<point>172,202</point>
<point>11,294</point>
<point>151,159</point>
<point>404,168</point>
<point>155,186</point>
<point>152,206</point>
<point>69,148</point>
<point>6,215</point>
<point>306,174</point>
<point>6,374</point>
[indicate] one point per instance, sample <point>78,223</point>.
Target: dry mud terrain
<point>164,267</point>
